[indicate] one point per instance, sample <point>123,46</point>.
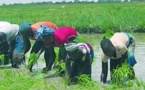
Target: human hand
<point>18,56</point>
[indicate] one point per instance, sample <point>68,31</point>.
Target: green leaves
<point>2,58</point>
<point>108,33</point>
<point>121,75</point>
<point>33,59</point>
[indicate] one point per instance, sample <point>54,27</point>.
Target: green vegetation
<point>33,59</point>
<point>108,33</point>
<point>86,18</point>
<point>15,79</point>
<point>22,79</point>
<point>121,75</point>
<point>2,58</point>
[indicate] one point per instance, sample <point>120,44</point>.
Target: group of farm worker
<point>77,56</point>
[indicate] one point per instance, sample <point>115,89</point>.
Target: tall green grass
<point>86,18</point>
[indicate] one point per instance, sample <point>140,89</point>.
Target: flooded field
<point>96,66</point>
<point>139,55</point>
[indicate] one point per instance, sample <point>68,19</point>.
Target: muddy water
<point>96,66</point>
<point>139,55</point>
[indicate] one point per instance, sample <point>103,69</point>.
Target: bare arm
<point>104,68</point>
<point>104,72</point>
<point>68,67</point>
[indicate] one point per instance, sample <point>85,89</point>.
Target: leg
<point>88,66</point>
<point>62,57</point>
<point>62,54</point>
<point>6,58</point>
<point>28,46</point>
<point>68,69</point>
<point>49,56</point>
<point>12,48</point>
<point>113,66</point>
<point>88,70</point>
<point>74,72</point>
<point>116,64</point>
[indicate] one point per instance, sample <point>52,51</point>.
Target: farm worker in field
<point>10,43</point>
<point>28,31</point>
<point>78,60</point>
<point>119,49</point>
<point>56,38</point>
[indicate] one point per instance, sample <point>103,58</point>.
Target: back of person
<point>8,33</point>
<point>80,56</point>
<point>119,49</point>
<point>64,35</point>
<point>36,26</point>
<point>10,30</point>
<point>119,38</point>
<point>3,23</point>
<point>29,31</point>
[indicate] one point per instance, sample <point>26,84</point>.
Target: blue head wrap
<point>43,30</point>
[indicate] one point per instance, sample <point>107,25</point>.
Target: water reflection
<point>96,67</point>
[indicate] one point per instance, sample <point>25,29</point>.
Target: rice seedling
<point>122,76</point>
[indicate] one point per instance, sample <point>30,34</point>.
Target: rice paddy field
<point>91,20</point>
<point>86,18</point>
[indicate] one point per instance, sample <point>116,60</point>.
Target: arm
<point>87,61</point>
<point>22,45</point>
<point>104,68</point>
<point>41,51</point>
<point>68,67</point>
<point>104,72</point>
<point>24,42</point>
<point>4,48</point>
<point>18,52</point>
<point>83,68</point>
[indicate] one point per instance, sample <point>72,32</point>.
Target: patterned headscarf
<point>43,30</point>
<point>83,47</point>
<point>71,47</point>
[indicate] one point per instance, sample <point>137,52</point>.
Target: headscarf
<point>83,47</point>
<point>107,46</point>
<point>43,30</point>
<point>25,29</point>
<point>71,47</point>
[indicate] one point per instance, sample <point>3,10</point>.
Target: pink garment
<point>64,35</point>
